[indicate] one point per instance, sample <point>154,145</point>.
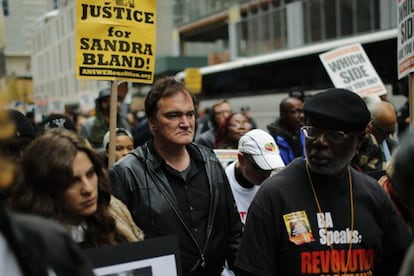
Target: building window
<point>6,7</point>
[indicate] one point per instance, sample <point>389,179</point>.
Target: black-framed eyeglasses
<point>333,136</point>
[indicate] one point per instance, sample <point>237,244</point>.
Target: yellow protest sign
<point>115,39</point>
<point>193,80</point>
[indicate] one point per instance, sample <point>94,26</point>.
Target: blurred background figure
<point>378,145</point>
<point>286,129</point>
<point>131,119</point>
<point>245,110</point>
<point>403,187</point>
<point>403,112</point>
<point>95,127</point>
<point>16,133</point>
<point>124,144</point>
<point>229,133</point>
<point>299,94</point>
<point>403,118</point>
<point>387,184</point>
<point>30,115</point>
<point>403,173</point>
<point>56,121</point>
<point>220,110</point>
<point>64,180</point>
<point>79,120</point>
<point>142,133</point>
<point>124,106</point>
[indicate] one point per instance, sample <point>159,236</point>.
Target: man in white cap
<point>258,157</point>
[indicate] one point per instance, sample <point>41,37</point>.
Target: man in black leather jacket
<point>173,186</point>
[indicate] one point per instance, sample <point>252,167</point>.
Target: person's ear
<point>369,127</point>
<point>241,157</point>
<point>151,125</point>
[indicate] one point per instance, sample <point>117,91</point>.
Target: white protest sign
<point>86,101</point>
<point>405,48</point>
<point>349,67</point>
<point>226,156</point>
<point>56,106</point>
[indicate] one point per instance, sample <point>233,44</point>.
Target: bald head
<point>291,114</point>
<point>383,120</point>
<point>287,103</point>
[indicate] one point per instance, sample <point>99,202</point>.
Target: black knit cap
<point>340,106</point>
<point>24,127</point>
<point>56,121</point>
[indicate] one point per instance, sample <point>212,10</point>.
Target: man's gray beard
<point>338,166</point>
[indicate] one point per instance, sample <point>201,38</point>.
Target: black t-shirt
<point>286,235</point>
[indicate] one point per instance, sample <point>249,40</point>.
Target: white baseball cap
<point>263,149</point>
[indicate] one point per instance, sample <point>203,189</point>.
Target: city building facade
<point>17,18</point>
<point>254,41</point>
<point>239,45</point>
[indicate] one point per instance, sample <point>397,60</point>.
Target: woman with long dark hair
<point>64,180</point>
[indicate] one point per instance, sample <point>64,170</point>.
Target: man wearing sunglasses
<point>318,216</point>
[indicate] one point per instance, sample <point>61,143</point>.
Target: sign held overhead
<point>349,67</point>
<point>405,49</point>
<point>115,40</point>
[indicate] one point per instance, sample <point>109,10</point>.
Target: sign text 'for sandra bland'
<point>115,40</point>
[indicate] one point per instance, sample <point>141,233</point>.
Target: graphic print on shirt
<point>298,227</point>
<point>351,260</point>
<point>243,215</point>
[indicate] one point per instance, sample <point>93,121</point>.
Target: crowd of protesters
<point>325,181</point>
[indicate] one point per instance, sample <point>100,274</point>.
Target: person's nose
<point>87,186</point>
<point>124,152</point>
<point>322,139</point>
<point>185,121</point>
